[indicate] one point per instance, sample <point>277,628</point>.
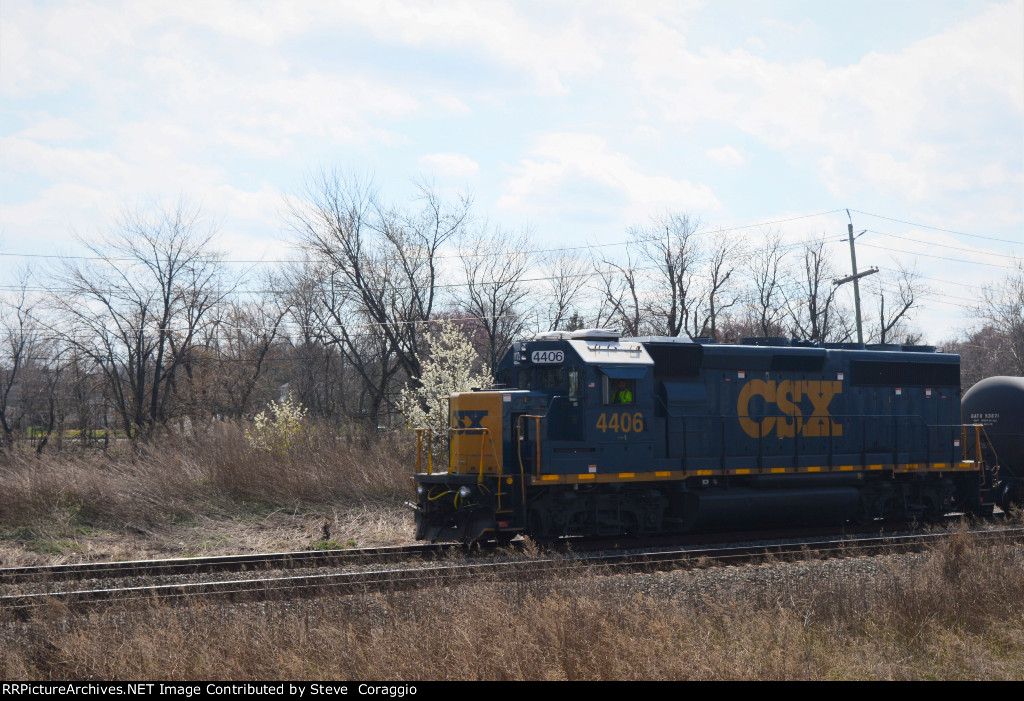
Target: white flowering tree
<point>279,429</point>
<point>448,369</point>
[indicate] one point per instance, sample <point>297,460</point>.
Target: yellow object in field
<point>476,433</point>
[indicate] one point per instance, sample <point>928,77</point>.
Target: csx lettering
<point>787,397</point>
<point>469,418</point>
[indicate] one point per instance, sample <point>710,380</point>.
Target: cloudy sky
<point>574,119</point>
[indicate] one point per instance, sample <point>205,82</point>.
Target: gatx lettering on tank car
<point>588,433</point>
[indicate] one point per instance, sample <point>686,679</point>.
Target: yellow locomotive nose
<point>475,421</point>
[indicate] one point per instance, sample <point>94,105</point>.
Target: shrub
<point>280,430</point>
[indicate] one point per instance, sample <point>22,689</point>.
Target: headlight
<point>420,489</point>
<point>465,492</point>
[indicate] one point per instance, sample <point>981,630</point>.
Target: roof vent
<point>595,335</point>
<point>553,336</point>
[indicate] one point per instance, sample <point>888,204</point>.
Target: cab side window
<point>574,383</point>
<point>619,391</point>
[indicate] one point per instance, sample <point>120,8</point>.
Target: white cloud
<point>900,122</point>
<point>726,155</point>
<point>166,97</point>
<point>225,104</point>
<point>450,103</point>
<point>548,50</point>
<point>452,164</point>
<point>578,161</point>
<point>45,128</point>
<point>45,51</point>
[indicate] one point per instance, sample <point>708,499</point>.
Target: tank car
<point>997,404</point>
<point>587,433</point>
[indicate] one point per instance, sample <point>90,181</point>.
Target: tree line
<point>155,327</point>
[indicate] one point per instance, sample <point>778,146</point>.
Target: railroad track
<point>223,563</point>
<point>433,575</point>
<point>386,554</point>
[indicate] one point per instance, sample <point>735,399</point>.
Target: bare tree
<point>897,293</point>
<point>766,270</point>
<point>619,296</point>
<point>716,292</point>
<point>365,347</point>
<point>814,308</point>
<point>383,263</point>
<point>567,274</point>
<point>136,310</point>
<point>318,373</point>
<point>1002,309</point>
<point>20,344</point>
<point>243,336</point>
<point>669,247</point>
<point>42,399</point>
<point>495,293</point>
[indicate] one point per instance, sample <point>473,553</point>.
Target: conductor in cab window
<point>623,393</point>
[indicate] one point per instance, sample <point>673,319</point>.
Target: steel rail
<point>286,588</point>
<point>381,554</point>
<point>221,563</point>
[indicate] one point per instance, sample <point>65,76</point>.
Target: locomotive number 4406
<point>552,357</point>
<point>621,423</point>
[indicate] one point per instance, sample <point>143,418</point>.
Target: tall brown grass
<point>177,477</point>
<point>953,613</point>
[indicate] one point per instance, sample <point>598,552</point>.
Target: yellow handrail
<point>519,428</point>
<point>484,433</point>
<point>419,450</point>
<point>444,418</point>
<point>978,428</point>
<point>979,431</point>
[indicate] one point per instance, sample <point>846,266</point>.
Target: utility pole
<point>855,278</point>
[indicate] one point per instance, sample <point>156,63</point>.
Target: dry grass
<point>951,614</point>
<point>200,494</point>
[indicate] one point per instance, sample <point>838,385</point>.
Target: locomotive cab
<point>569,405</point>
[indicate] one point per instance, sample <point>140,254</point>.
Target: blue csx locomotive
<point>591,434</point>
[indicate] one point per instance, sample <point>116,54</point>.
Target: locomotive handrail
<point>419,446</point>
<point>979,430</point>
<point>519,444</point>
<point>443,418</point>
<point>485,437</point>
<point>485,434</point>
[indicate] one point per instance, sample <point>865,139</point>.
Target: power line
<point>933,228</point>
<point>46,256</point>
<point>936,279</point>
<point>942,245</point>
<point>443,286</point>
<point>213,259</point>
<point>928,255</point>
